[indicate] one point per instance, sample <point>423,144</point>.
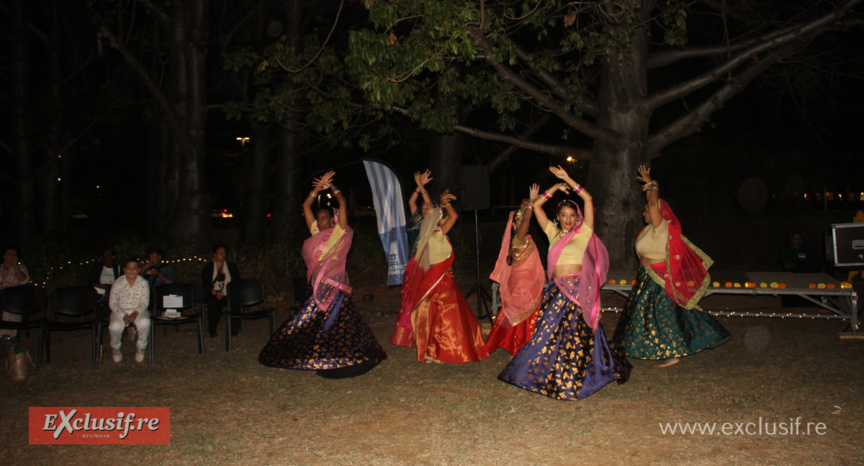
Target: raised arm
<point>652,195</point>
<point>533,193</point>
<point>421,179</point>
<point>343,206</point>
<point>539,213</point>
<point>587,200</point>
<point>452,216</point>
<point>317,186</point>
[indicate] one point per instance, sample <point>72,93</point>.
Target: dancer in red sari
<point>328,335</point>
<point>520,275</point>
<point>433,308</point>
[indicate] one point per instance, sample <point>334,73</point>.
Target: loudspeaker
<point>845,244</point>
<point>475,187</point>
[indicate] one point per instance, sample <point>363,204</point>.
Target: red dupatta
<point>521,283</point>
<point>684,272</point>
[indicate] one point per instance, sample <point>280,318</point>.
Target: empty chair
<point>74,302</point>
<point>241,295</point>
<point>27,301</point>
<point>179,297</point>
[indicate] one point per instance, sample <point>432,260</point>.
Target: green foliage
<point>674,19</point>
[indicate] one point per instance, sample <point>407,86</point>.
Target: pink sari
<point>326,269</point>
<point>595,265</point>
<point>684,273</point>
<point>521,283</point>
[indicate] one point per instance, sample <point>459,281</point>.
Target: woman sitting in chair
<point>328,335</point>
<point>129,298</point>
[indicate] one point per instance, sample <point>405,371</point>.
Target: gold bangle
<point>312,194</point>
<point>445,205</point>
<point>337,191</point>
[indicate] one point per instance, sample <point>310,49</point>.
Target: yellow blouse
<point>574,251</point>
<point>338,231</point>
<point>652,244</point>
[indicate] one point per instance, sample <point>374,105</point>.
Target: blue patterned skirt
<point>323,340</point>
<point>652,326</point>
<point>565,359</point>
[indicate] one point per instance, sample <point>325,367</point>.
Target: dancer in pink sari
<point>433,309</point>
<point>328,335</point>
<point>520,276</point>
<point>568,356</point>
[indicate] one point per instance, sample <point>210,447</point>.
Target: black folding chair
<point>241,295</point>
<point>76,302</point>
<point>28,302</point>
<point>179,297</point>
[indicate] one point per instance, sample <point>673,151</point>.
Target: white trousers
<point>142,323</point>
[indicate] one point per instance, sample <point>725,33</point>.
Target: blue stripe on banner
<point>390,213</point>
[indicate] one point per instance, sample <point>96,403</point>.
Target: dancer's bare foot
<point>429,359</point>
<point>669,362</point>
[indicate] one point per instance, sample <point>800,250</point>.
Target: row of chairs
<point>78,302</point>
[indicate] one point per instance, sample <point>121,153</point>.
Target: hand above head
<point>644,176</point>
<point>559,173</point>
<point>563,187</point>
<point>446,197</point>
<point>533,192</point>
<point>425,178</point>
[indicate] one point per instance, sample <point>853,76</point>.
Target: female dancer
<point>568,356</point>
<point>433,309</point>
<point>519,273</point>
<point>413,226</point>
<point>403,334</point>
<point>328,335</point>
<point>659,320</point>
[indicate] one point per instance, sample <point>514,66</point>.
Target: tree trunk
<point>23,218</point>
<point>618,198</point>
<point>255,182</point>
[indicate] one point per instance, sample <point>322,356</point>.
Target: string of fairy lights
<point>767,286</point>
<point>51,270</point>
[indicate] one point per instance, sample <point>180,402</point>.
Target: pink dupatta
<point>326,270</point>
<point>595,266</point>
<point>684,273</point>
<point>521,283</point>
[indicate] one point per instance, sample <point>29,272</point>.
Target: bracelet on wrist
<point>337,191</point>
<point>313,194</point>
<point>578,189</point>
<point>445,205</point>
<point>546,195</point>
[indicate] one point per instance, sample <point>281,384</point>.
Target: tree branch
<point>150,83</point>
<point>693,119</point>
<point>768,42</point>
<point>576,152</point>
<point>571,120</point>
<point>506,153</point>
<point>164,18</point>
<point>554,84</point>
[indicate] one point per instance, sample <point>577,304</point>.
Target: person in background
<point>568,357</point>
<point>129,298</point>
<point>102,275</point>
<point>13,273</point>
<point>155,271</point>
<point>215,277</point>
<point>799,256</point>
<point>661,319</point>
<point>520,275</point>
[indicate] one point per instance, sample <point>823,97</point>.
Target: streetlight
<point>243,141</point>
